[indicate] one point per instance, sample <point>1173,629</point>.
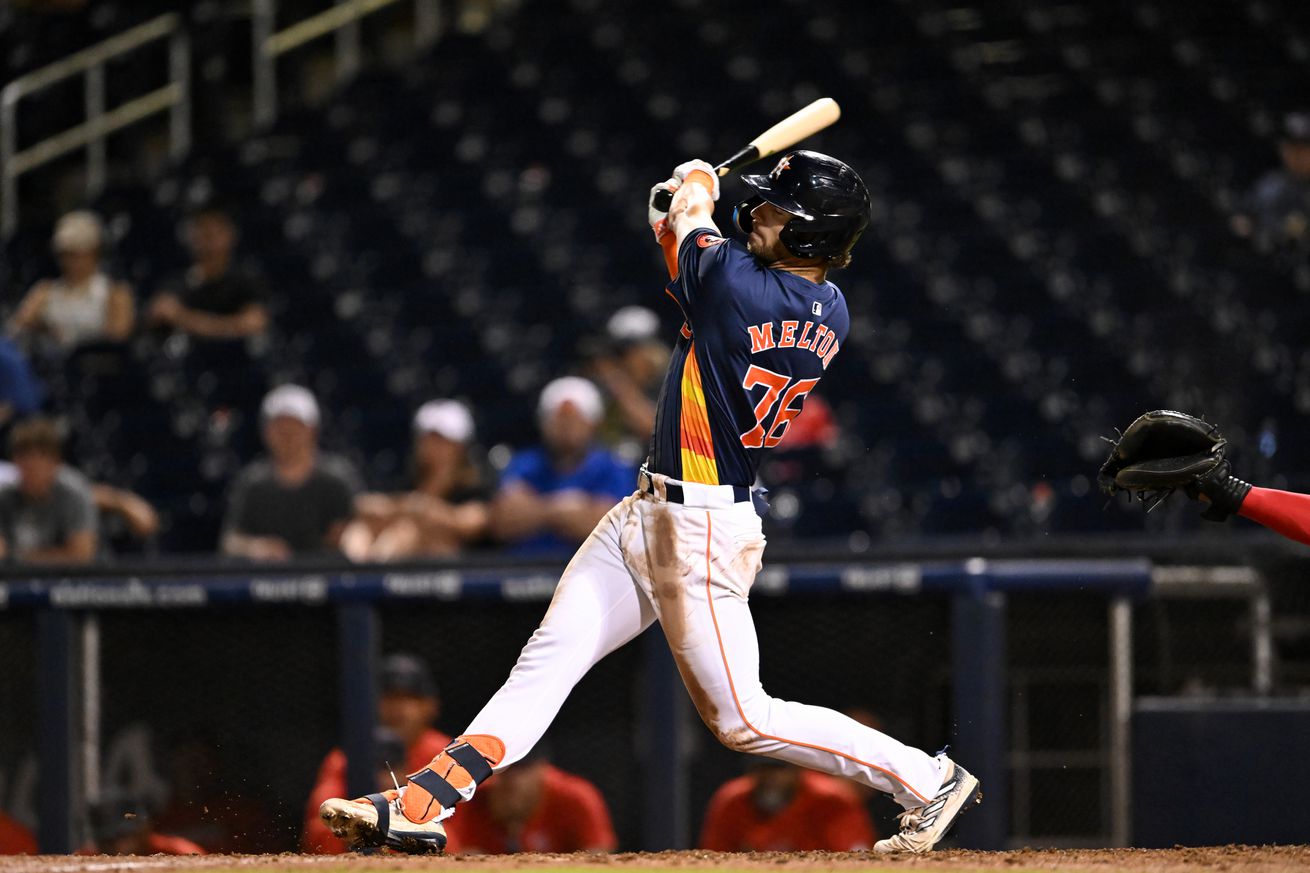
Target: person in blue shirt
<point>20,392</point>
<point>552,496</point>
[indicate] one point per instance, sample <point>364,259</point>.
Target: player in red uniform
<point>534,807</point>
<point>1286,512</point>
<point>778,807</point>
<point>407,707</point>
<point>121,824</point>
<point>14,838</point>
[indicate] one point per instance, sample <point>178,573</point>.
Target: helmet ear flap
<point>741,213</point>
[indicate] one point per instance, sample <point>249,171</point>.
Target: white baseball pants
<point>692,569</point>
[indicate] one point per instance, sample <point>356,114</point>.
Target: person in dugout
<point>779,807</point>
<point>407,707</point>
<point>534,807</point>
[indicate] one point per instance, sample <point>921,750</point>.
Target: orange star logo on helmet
<point>784,164</point>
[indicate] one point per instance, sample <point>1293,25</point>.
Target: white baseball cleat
<point>377,820</point>
<point>923,827</point>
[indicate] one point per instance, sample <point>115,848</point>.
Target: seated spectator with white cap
<point>83,304</point>
<point>552,496</point>
<point>631,369</point>
<point>297,500</point>
<point>447,509</point>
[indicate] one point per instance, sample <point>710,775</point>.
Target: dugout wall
<point>226,690</point>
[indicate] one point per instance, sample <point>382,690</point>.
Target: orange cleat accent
<point>419,805</point>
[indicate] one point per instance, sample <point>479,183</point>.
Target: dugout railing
<point>282,664</point>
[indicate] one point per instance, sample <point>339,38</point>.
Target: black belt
<point>673,492</point>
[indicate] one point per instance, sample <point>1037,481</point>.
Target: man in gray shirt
<point>296,500</point>
<point>48,515</point>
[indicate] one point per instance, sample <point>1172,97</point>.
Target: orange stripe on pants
<point>723,654</point>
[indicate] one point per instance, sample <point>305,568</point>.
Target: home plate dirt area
<point>1245,859</point>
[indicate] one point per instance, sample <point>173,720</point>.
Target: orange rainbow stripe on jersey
<point>698,464</point>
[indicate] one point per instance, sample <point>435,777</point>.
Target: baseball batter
<point>762,324</point>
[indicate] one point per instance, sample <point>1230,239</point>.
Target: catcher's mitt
<point>1161,452</point>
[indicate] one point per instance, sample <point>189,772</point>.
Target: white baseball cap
<point>448,418</point>
<point>633,324</point>
<point>292,401</point>
<point>584,396</point>
<point>79,231</point>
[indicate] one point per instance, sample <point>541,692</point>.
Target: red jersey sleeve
<point>166,844</point>
<point>1282,511</point>
<point>15,839</point>
<point>331,782</point>
<point>847,826</point>
<point>593,828</point>
<point>725,819</point>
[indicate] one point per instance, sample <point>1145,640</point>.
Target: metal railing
<point>174,98</point>
<point>343,20</point>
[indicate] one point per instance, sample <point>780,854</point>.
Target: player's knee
<point>741,734</point>
<point>739,738</point>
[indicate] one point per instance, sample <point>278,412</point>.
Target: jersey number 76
<point>771,426</point>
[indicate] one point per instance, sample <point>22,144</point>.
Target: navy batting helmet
<point>827,197</point>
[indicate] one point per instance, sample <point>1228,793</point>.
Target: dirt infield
<point>1246,859</point>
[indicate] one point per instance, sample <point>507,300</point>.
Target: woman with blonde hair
<point>82,304</point>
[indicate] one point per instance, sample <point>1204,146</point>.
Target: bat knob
<point>662,200</point>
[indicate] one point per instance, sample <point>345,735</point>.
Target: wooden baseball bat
<point>785,134</point>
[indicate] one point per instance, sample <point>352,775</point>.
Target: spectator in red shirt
<point>778,807</point>
<point>533,807</point>
<point>122,825</point>
<point>14,838</point>
<point>408,706</point>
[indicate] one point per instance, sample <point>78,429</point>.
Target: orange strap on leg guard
<point>451,777</point>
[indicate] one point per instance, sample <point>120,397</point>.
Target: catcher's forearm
<point>1286,512</point>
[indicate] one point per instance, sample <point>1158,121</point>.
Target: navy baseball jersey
<point>755,343</point>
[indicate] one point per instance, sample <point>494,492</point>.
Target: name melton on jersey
<point>823,343</point>
<point>755,342</point>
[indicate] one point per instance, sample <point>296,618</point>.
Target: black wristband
<point>1226,492</point>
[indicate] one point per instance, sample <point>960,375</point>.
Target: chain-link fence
<point>18,717</point>
<point>219,718</point>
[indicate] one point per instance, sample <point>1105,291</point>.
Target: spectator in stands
<point>14,838</point>
<point>20,392</point>
<point>83,304</point>
<point>298,500</point>
<point>778,807</point>
<point>630,369</point>
<point>552,496</point>
<point>122,825</point>
<point>446,511</point>
<point>216,299</point>
<point>48,516</point>
<point>1277,209</point>
<point>218,308</point>
<point>407,707</point>
<point>126,518</point>
<point>533,807</point>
